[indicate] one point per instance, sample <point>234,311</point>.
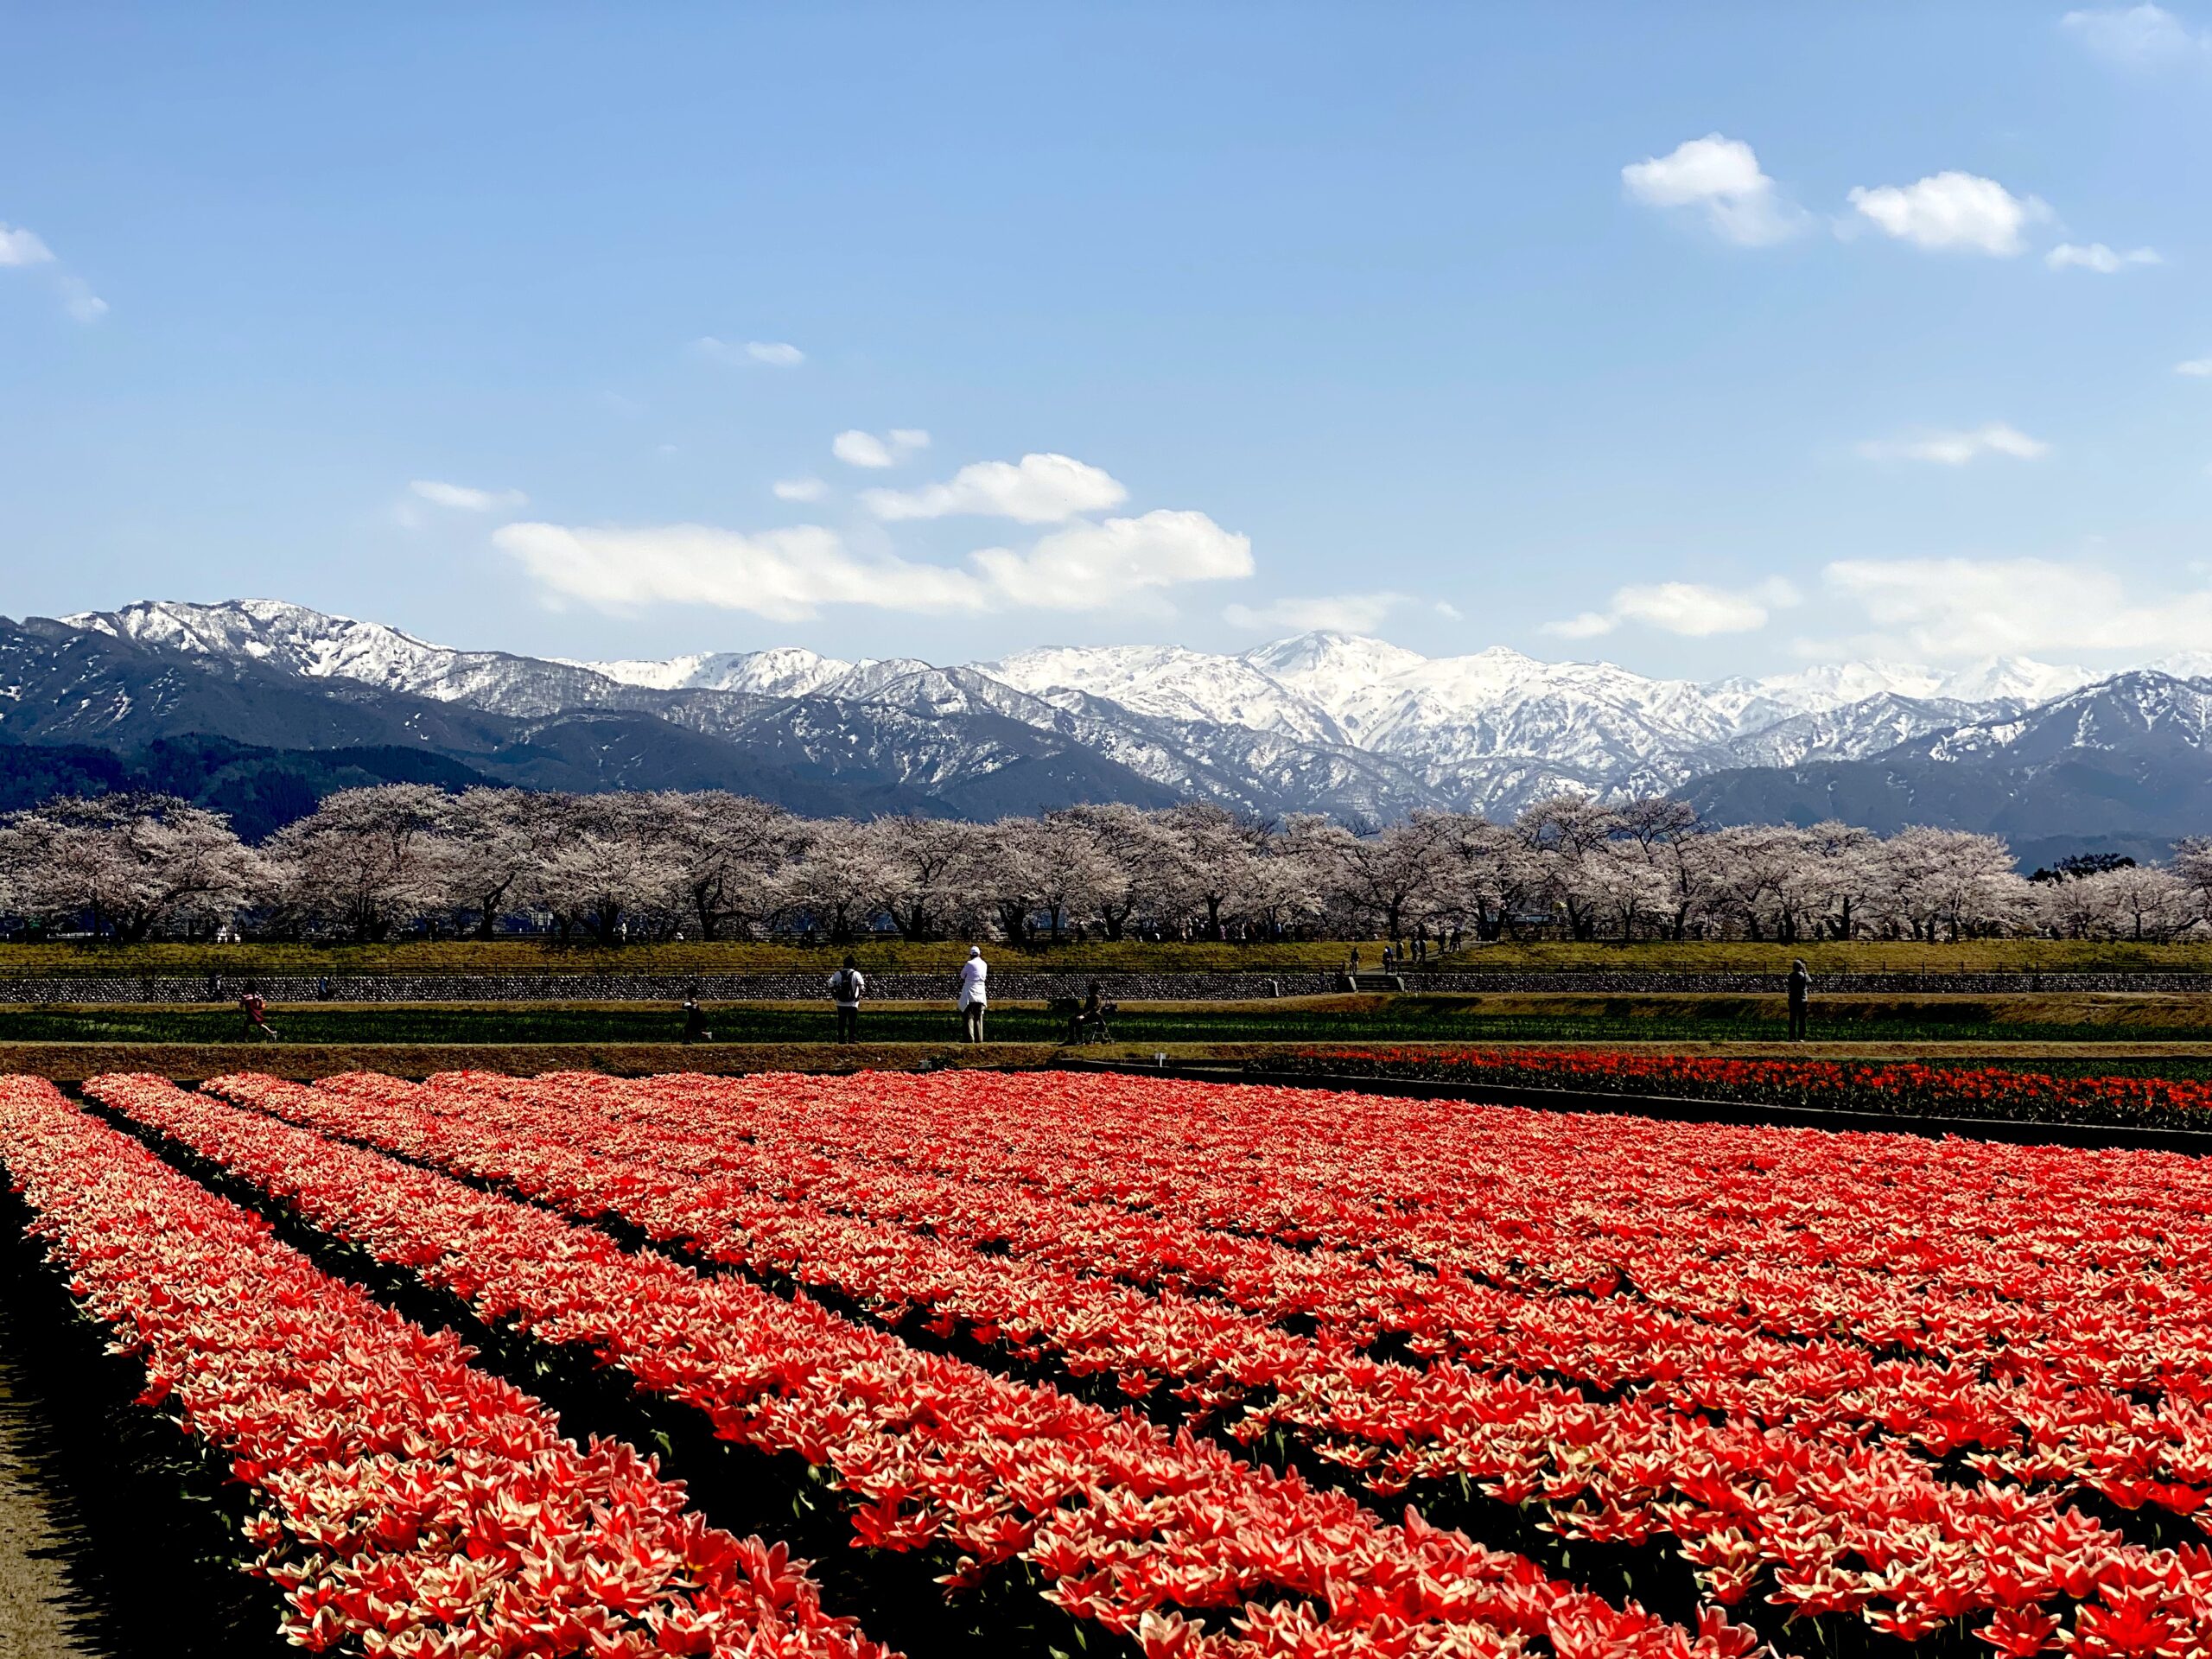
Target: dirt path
<point>37,1618</point>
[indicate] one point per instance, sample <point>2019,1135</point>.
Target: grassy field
<point>519,957</point>
<point>2047,1018</point>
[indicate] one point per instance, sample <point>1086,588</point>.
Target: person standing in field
<point>1800,990</point>
<point>847,986</point>
<point>974,978</point>
<point>254,1012</point>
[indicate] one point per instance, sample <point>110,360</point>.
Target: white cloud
<point>1038,489</point>
<point>799,489</point>
<point>1957,449</point>
<point>1334,613</point>
<point>1099,567</point>
<point>777,353</point>
<point>1952,210</point>
<point>2096,257</point>
<point>79,302</point>
<point>857,449</point>
<point>2196,366</point>
<point>2140,38</point>
<point>788,576</point>
<point>462,498</point>
<point>1951,608</point>
<point>21,247</point>
<point>1684,608</point>
<point>1722,177</point>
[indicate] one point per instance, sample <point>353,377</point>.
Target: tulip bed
<point>1182,1353</point>
<point>411,1504</point>
<point>1134,1529</point>
<point>1898,1087</point>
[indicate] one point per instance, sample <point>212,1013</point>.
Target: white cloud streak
<point>1721,178</point>
<point>2095,255</point>
<point>1038,489</point>
<point>2140,38</point>
<point>2200,366</point>
<point>1102,566</point>
<point>776,354</point>
<point>462,498</point>
<point>1952,212</point>
<point>799,489</point>
<point>1957,449</point>
<point>21,249</point>
<point>1947,609</point>
<point>790,575</point>
<point>858,449</point>
<point>1689,608</point>
<point>1333,612</point>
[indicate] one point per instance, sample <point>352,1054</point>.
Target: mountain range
<point>259,705</point>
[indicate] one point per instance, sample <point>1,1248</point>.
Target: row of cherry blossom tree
<point>404,860</point>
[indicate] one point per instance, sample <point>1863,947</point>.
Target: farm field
<point>2045,1018</point>
<point>1038,1362</point>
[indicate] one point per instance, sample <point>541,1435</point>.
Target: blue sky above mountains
<point>1707,339</point>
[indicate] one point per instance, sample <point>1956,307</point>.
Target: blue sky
<point>1421,320</point>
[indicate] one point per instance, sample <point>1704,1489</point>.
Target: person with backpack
<point>974,977</point>
<point>847,986</point>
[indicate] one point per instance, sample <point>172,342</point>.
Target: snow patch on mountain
<point>784,671</point>
<point>1174,684</point>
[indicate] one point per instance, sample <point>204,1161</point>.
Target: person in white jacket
<point>974,976</point>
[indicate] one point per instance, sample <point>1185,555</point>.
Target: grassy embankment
<point>520,956</point>
<point>2095,1030</point>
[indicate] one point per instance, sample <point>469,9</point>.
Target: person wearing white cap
<point>974,975</point>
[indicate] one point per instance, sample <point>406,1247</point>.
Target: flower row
<point>413,1503</point>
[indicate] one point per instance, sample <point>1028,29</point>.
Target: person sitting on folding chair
<point>1092,1016</point>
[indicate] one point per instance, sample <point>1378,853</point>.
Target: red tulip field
<point>1061,1363</point>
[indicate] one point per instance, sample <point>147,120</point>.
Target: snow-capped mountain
<point>1328,721</point>
<point>1174,684</point>
<point>784,671</point>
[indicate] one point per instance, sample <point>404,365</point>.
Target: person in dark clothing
<point>846,986</point>
<point>1801,989</point>
<point>694,1022</point>
<point>1092,1016</point>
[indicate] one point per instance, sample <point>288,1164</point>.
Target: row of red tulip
<point>847,1148</point>
<point>1893,1242</point>
<point>1216,1354</point>
<point>1621,1469</point>
<point>1899,1087</point>
<point>414,1505</point>
<point>1131,1528</point>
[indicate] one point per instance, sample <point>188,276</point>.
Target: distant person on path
<point>254,1012</point>
<point>1801,988</point>
<point>694,1022</point>
<point>974,977</point>
<point>847,986</point>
